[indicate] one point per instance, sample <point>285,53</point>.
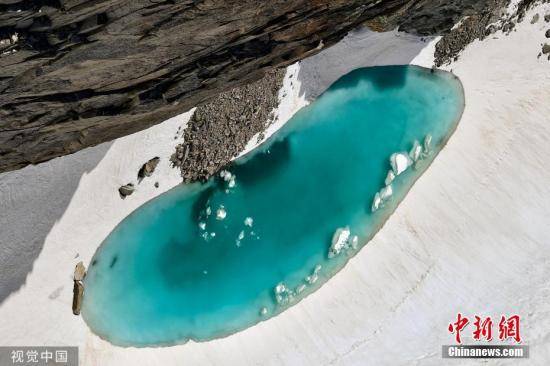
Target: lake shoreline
<point>449,241</point>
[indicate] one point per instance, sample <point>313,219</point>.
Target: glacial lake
<point>203,261</point>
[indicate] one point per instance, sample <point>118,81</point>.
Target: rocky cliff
<point>75,73</point>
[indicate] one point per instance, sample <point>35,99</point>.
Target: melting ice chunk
<point>263,311</point>
<point>228,177</point>
<point>354,241</point>
<point>339,241</point>
<point>282,294</point>
<point>202,225</point>
<point>300,288</point>
<point>386,193</point>
<point>428,143</point>
<point>314,276</point>
<point>376,202</point>
<point>389,178</point>
<point>221,213</point>
<point>249,221</point>
<point>241,235</point>
<point>400,162</point>
<point>415,152</point>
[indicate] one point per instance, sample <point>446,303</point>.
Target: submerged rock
<point>148,168</point>
<point>126,190</point>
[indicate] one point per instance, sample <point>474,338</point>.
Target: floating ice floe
<point>400,162</point>
<point>208,211</point>
<point>263,311</point>
<point>221,213</point>
<point>389,178</point>
<point>241,235</point>
<point>339,241</point>
<point>249,221</point>
<point>202,225</point>
<point>416,151</point>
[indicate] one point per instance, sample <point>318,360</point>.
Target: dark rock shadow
<point>360,48</point>
<point>32,199</point>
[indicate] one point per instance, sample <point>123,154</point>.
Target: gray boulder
<point>148,168</point>
<point>126,190</point>
<point>78,293</point>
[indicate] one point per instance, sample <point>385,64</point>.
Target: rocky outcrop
<point>75,73</point>
<point>486,21</point>
<point>219,130</point>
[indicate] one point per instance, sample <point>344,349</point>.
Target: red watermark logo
<point>508,328</point>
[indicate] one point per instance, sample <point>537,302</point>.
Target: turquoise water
<point>177,269</point>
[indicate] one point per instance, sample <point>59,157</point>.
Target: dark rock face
<point>75,73</point>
